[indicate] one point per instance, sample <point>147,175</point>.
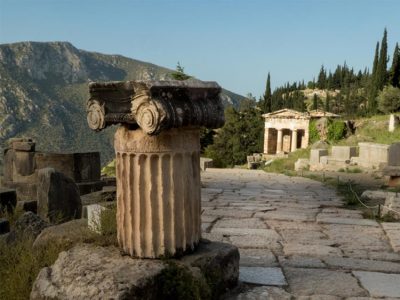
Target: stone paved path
<point>296,241</point>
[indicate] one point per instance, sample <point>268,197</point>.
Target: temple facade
<point>287,130</point>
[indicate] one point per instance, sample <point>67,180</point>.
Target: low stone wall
<point>372,155</point>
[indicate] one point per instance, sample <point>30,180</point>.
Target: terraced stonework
<point>299,227</point>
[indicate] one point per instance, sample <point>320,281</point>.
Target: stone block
<point>394,155</point>
<point>73,231</point>
<point>262,276</point>
<point>4,226</point>
<point>8,199</point>
<point>213,268</point>
<point>393,122</point>
<point>27,206</point>
<point>24,146</point>
<point>302,164</point>
<point>323,160</point>
<point>58,197</point>
<point>24,164</point>
<point>373,155</point>
<point>380,284</point>
<point>86,166</point>
<point>93,213</point>
<point>89,187</point>
<point>205,163</point>
<point>315,155</point>
<point>343,153</point>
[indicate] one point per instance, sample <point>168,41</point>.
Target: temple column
<point>293,140</point>
<point>279,141</point>
<point>158,191</point>
<point>305,140</point>
<point>266,140</point>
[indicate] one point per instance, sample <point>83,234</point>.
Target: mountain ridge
<point>44,88</point>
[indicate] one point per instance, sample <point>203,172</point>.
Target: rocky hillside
<point>44,87</point>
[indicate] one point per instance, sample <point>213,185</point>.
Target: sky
<point>235,43</point>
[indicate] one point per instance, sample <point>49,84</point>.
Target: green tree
<point>381,72</point>
<point>315,102</point>
<point>321,83</point>
<point>327,101</point>
<point>373,86</point>
<point>241,135</point>
<point>389,99</point>
<point>394,73</point>
<point>268,96</point>
<point>179,73</point>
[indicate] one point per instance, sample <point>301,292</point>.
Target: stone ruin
<point>368,156</point>
<point>22,164</point>
<point>157,159</point>
<point>393,122</point>
<point>392,170</point>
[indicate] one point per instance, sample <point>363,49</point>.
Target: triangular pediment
<point>286,114</point>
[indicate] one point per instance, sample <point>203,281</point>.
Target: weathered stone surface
<point>263,292</point>
<point>347,221</point>
<point>362,264</point>
<point>8,199</point>
<point>155,105</point>
<point>299,261</point>
<point>92,272</point>
<point>257,258</point>
<point>262,276</point>
<point>89,272</point>
<point>380,284</point>
<point>316,154</point>
<point>253,223</point>
<point>393,232</point>
<point>306,282</point>
<point>205,163</point>
<point>93,213</point>
<point>29,225</point>
<point>58,197</point>
<point>4,226</point>
<point>69,232</point>
<point>393,122</point>
<point>151,169</point>
<point>310,250</point>
<point>302,164</point>
<point>343,153</point>
<point>372,155</point>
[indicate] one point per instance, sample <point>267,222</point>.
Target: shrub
<point>389,99</point>
<point>313,132</point>
<point>336,130</point>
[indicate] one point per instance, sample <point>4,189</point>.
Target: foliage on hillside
<point>343,91</point>
<point>241,135</point>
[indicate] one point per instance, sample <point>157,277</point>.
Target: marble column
<point>158,191</point>
<point>157,151</point>
<point>294,140</point>
<point>266,140</point>
<point>279,141</point>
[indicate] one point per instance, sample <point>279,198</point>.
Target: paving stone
<point>255,241</point>
<point>269,234</point>
<point>257,258</point>
<point>253,223</point>
<point>208,219</point>
<point>286,215</point>
<point>380,284</point>
<point>263,292</point>
<point>262,276</point>
<point>319,297</point>
<point>302,236</point>
<point>228,212</point>
<point>362,264</point>
<point>393,233</point>
<point>310,250</point>
<point>307,282</point>
<point>298,261</point>
<point>346,221</point>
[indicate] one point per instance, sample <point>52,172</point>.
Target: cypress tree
<point>381,74</point>
<point>321,78</point>
<point>315,102</point>
<point>373,89</point>
<point>394,75</point>
<point>268,96</point>
<point>327,102</point>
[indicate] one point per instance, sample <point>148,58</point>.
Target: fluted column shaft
<point>158,191</point>
<point>294,140</point>
<point>279,141</point>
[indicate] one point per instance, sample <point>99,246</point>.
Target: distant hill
<point>44,88</point>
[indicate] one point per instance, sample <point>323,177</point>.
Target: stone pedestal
<point>158,191</point>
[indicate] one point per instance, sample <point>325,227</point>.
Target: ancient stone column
<point>158,191</point>
<point>157,159</point>
<point>294,140</point>
<point>279,141</point>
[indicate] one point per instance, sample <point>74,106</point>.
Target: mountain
<point>44,88</point>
